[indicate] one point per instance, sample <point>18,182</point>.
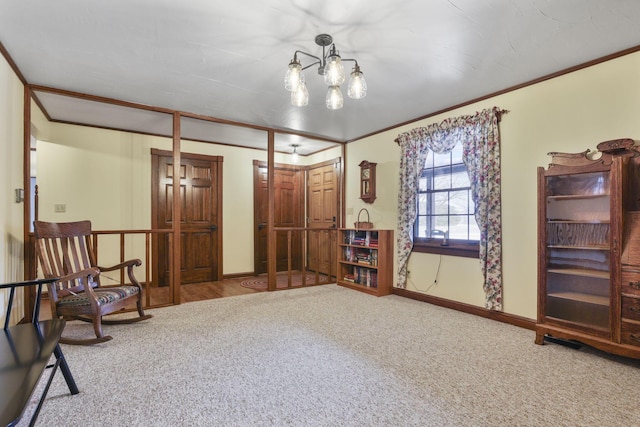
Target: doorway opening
<point>306,197</point>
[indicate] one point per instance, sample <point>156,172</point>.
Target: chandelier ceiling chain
<point>330,66</point>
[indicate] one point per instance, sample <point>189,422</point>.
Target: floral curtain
<point>481,154</point>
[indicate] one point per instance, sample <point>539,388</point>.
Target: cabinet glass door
<point>578,249</point>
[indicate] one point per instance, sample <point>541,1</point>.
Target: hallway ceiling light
<point>330,66</point>
<point>294,156</point>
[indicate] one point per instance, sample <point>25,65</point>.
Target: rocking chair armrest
<point>128,263</point>
<point>91,271</point>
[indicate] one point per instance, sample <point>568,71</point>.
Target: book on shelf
<point>349,254</point>
<point>360,256</point>
<point>358,241</point>
<point>363,256</point>
<point>365,277</point>
<point>361,238</point>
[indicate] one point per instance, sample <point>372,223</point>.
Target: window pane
<point>440,203</point>
<point>422,183</point>
<point>441,159</point>
<point>422,226</point>
<point>458,202</point>
<point>422,203</point>
<point>459,227</point>
<point>456,154</point>
<point>440,227</point>
<point>472,206</point>
<point>436,233</point>
<point>442,181</point>
<point>460,179</point>
<point>429,160</point>
<point>474,231</point>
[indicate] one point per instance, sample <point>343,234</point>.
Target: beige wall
<point>570,113</point>
<point>105,175</point>
<point>11,143</point>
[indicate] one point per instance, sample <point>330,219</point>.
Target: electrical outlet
<point>59,208</point>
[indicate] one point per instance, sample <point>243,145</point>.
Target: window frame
<point>455,247</point>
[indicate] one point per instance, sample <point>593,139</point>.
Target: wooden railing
<point>147,259</point>
<point>145,255</point>
<point>316,254</point>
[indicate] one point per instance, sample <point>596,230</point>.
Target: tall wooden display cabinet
<point>589,248</point>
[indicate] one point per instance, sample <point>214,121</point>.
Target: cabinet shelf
<point>581,247</point>
<point>374,274</point>
<point>581,297</point>
<point>578,196</point>
<point>578,221</point>
<point>580,272</point>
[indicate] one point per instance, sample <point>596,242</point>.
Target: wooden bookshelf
<point>365,260</point>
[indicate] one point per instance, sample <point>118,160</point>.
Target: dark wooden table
<point>25,351</point>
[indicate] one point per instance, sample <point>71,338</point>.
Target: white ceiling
<point>69,109</point>
<point>227,59</point>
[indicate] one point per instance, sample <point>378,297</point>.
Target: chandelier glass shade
<point>357,84</point>
<point>331,67</point>
<point>335,100</point>
<point>293,76</point>
<point>300,96</point>
<point>334,70</point>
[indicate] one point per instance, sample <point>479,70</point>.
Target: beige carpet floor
<point>330,356</point>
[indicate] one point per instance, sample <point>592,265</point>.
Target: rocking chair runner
<point>65,250</point>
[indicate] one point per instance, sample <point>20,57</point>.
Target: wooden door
<point>323,193</point>
<point>289,204</point>
<point>201,217</point>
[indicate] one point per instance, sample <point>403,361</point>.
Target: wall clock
<point>367,181</point>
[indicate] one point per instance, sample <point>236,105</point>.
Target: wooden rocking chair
<point>65,250</point>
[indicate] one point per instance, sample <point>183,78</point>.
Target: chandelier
<point>330,66</point>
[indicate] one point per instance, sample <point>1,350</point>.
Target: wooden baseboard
<point>511,319</point>
<point>236,275</point>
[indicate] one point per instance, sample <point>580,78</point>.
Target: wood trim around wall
<point>511,319</point>
<point>238,275</point>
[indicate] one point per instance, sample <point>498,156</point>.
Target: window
<point>445,222</point>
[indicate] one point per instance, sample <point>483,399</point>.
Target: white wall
<point>570,113</point>
<point>11,143</point>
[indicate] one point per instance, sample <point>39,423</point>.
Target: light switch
<point>19,195</point>
<point>60,208</point>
